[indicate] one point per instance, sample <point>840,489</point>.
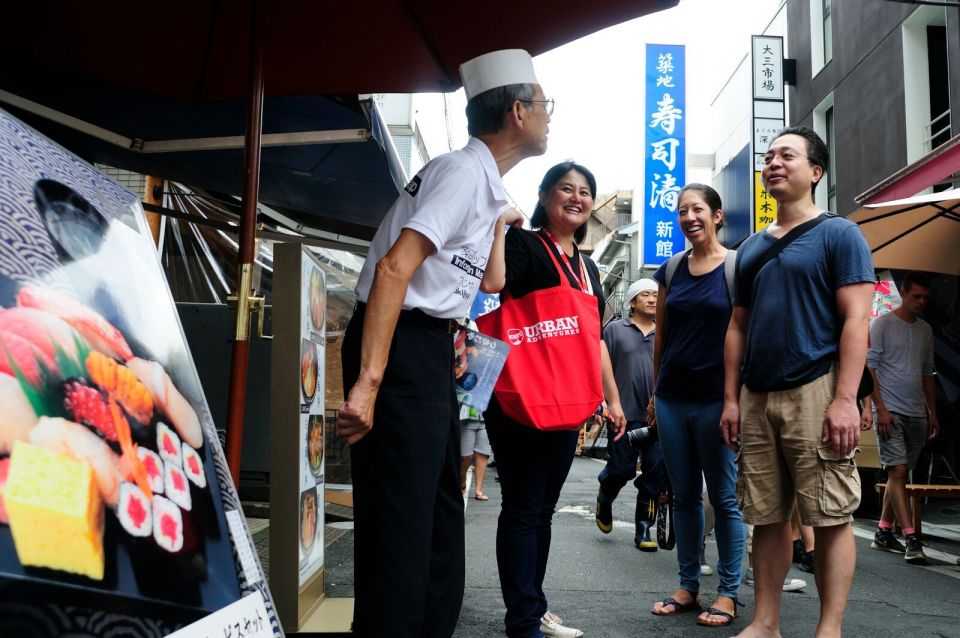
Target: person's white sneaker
<point>551,626</point>
<point>793,584</point>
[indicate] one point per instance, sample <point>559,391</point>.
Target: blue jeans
<point>532,465</point>
<point>692,448</point>
<point>622,467</point>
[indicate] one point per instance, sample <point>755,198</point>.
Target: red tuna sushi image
<point>153,465</point>
<point>176,486</point>
<point>167,524</point>
<point>21,355</point>
<point>168,444</point>
<point>134,511</point>
<point>193,466</point>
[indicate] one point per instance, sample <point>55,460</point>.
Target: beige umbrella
<point>916,233</point>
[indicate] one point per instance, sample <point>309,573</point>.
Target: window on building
<point>827,31</point>
<point>926,81</point>
<point>821,34</point>
<point>825,195</point>
<point>832,173</point>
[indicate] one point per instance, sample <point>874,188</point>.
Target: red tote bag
<point>551,379</point>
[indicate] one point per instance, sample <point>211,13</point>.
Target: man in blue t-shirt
<point>794,355</point>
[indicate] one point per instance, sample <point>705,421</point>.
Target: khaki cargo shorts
<point>782,457</point>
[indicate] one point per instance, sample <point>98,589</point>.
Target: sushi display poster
<point>313,300</point>
<point>113,485</point>
<point>479,358</point>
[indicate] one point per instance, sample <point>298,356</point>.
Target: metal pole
<point>248,224</point>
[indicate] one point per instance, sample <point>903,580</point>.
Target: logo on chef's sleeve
<point>470,261</point>
<point>414,186</point>
<point>546,329</point>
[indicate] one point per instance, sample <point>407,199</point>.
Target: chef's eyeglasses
<point>547,104</point>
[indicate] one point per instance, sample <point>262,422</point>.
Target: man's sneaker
<point>806,562</point>
<point>884,540</point>
<point>914,553</point>
<point>794,584</point>
<point>604,515</point>
<point>705,569</point>
<point>551,626</point>
<point>790,584</point>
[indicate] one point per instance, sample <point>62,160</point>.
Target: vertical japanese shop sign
<point>768,117</point>
<point>665,160</point>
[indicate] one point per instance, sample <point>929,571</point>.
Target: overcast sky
<point>597,83</point>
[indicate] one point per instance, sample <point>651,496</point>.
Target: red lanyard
<point>563,255</point>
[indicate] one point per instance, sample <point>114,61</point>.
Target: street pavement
<point>601,584</point>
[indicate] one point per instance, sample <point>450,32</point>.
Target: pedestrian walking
<point>794,357</point>
<point>905,395</point>
<point>400,414</point>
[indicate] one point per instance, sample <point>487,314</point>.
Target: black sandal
<point>678,607</point>
<point>728,617</point>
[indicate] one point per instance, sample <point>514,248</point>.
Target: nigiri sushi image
<point>167,524</point>
<point>16,414</point>
<point>123,384</point>
<point>168,445</point>
<point>46,331</point>
<point>176,487</point>
<point>99,333</point>
<point>169,400</point>
<point>134,511</point>
<point>193,467</point>
<point>153,465</point>
<point>20,356</point>
<point>76,441</point>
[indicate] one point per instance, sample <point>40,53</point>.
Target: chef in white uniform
<point>400,415</point>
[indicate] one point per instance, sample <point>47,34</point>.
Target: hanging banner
<point>768,117</point>
<point>665,148</point>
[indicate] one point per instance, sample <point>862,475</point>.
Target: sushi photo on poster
<point>313,341</point>
<point>113,485</point>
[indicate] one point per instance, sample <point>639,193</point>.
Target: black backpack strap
<point>750,276</point>
<point>671,269</point>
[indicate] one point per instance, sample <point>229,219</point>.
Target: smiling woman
<point>533,419</point>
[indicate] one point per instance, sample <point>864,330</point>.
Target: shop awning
<point>178,70</point>
<point>327,162</point>
<point>933,168</point>
<point>197,50</point>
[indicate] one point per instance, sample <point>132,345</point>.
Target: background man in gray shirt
<point>901,360</point>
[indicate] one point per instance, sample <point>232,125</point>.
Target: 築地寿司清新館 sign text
<point>664,151</point>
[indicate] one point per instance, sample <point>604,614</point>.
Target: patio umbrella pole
<point>248,224</point>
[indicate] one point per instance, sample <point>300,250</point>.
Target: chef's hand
<point>355,418</point>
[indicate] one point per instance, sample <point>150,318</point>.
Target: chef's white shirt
<point>454,201</point>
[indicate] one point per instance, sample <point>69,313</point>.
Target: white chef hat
<point>497,68</point>
<point>640,285</point>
